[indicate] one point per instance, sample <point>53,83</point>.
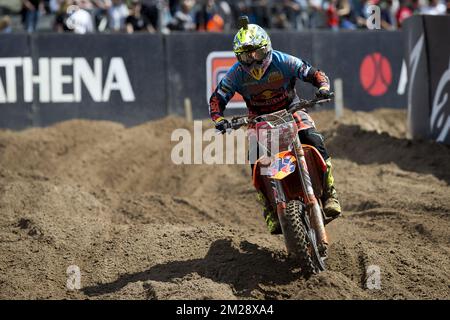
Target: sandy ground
<point>108,199</point>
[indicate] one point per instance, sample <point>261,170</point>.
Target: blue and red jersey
<point>273,92</point>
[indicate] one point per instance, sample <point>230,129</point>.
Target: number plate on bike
<point>282,165</point>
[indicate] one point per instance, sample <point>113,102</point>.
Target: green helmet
<point>249,38</point>
<point>253,49</point>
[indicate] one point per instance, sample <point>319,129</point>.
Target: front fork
<point>312,205</point>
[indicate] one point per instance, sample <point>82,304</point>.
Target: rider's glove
<point>222,124</point>
<point>324,93</point>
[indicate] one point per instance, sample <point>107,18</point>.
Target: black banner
<point>102,77</point>
<point>186,56</point>
<point>14,113</point>
<point>418,78</point>
<point>46,78</point>
<point>369,64</point>
<point>427,53</point>
<point>438,41</point>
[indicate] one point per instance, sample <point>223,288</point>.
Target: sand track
<point>107,199</point>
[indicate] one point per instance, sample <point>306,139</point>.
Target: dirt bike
<point>291,176</point>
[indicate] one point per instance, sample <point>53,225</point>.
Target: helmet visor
<point>248,57</point>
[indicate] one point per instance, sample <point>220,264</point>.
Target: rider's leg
<point>330,199</point>
<point>270,216</point>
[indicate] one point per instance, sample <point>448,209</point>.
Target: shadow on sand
<point>244,269</point>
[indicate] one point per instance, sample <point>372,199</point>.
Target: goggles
<point>248,57</point>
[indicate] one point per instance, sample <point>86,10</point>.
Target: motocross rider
<point>266,80</point>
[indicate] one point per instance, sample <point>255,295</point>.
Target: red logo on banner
<point>217,65</point>
<point>375,74</point>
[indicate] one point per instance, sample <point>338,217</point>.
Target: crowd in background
<point>85,16</point>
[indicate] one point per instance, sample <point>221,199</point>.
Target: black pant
<point>312,137</point>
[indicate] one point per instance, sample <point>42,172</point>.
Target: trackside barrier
<point>427,52</point>
<point>47,78</point>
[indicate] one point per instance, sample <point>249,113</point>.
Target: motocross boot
<point>271,218</point>
<point>331,205</point>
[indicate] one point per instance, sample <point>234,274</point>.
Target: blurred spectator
<point>238,8</point>
<point>117,14</point>
<point>226,14</point>
<point>363,13</point>
<point>54,5</point>
<point>298,14</point>
<point>10,6</point>
<point>222,15</point>
<point>30,13</point>
<point>208,17</point>
<point>79,20</point>
<point>317,16</point>
<point>100,11</point>
<point>435,7</point>
<point>84,4</point>
<point>61,16</point>
<point>5,24</point>
<point>332,15</point>
<point>279,17</point>
<point>346,13</point>
<point>387,20</point>
<point>261,13</point>
<point>136,22</point>
<point>405,11</point>
<point>293,11</point>
<point>340,15</point>
<point>174,6</point>
<point>183,20</point>
<point>151,12</point>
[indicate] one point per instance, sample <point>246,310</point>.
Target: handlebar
<point>239,121</point>
<point>309,104</point>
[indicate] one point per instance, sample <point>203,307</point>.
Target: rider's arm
<point>217,105</point>
<point>305,72</point>
<point>221,96</point>
<point>318,78</point>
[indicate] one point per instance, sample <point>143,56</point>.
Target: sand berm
<point>108,199</point>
